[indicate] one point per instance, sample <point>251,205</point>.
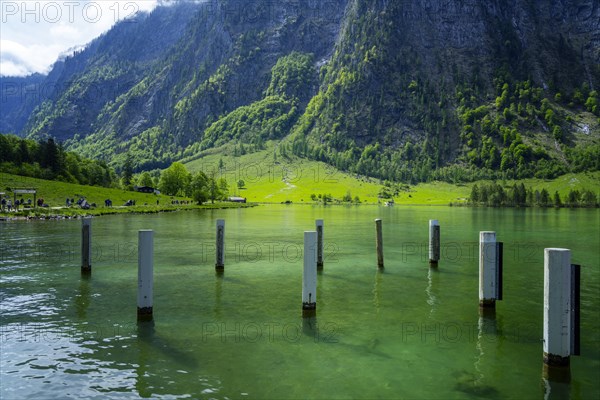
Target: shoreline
<point>77,213</point>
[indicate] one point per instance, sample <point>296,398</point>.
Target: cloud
<point>36,33</point>
<point>19,60</point>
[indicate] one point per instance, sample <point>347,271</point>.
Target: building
<point>237,199</point>
<point>144,189</point>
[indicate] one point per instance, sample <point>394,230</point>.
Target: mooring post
<point>379,243</point>
<point>557,307</point>
<point>86,246</point>
<point>434,242</point>
<point>319,225</point>
<point>309,275</point>
<point>145,274</point>
<point>220,253</point>
<point>489,270</point>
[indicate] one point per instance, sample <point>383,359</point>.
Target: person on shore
<point>9,205</point>
<point>3,203</point>
<point>68,202</point>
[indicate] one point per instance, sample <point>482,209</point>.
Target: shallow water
<point>406,332</point>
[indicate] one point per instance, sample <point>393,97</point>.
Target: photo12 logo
<point>253,172</point>
<point>266,252</point>
<point>42,253</point>
<point>271,332</point>
<point>54,12</point>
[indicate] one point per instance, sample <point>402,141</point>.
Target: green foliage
<point>270,118</point>
<point>175,180</point>
<point>200,187</point>
<point>292,77</point>
<point>48,160</point>
<point>127,171</point>
<point>145,180</point>
<point>494,195</point>
<point>592,103</point>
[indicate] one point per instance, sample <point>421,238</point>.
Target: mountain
<point>19,98</point>
<point>454,89</point>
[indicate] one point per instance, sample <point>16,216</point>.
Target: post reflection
<point>556,382</point>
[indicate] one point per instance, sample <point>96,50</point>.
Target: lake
<point>405,332</point>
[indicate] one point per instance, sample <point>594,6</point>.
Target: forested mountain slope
<point>393,89</point>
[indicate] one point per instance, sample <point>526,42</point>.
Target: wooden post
<point>220,252</point>
<point>145,274</point>
<point>86,246</point>
<point>488,274</point>
<point>309,276</point>
<point>379,243</point>
<point>319,225</point>
<point>434,242</point>
<point>557,307</point>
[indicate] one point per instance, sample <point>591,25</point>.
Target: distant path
<point>288,186</point>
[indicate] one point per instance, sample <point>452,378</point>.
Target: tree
<point>200,187</point>
<point>557,133</point>
<point>145,180</point>
<point>223,188</point>
<point>347,197</point>
<point>573,198</point>
<point>588,199</point>
<point>475,194</point>
<point>127,173</point>
<point>217,188</point>
<point>175,180</point>
<point>51,156</point>
<point>557,201</point>
<point>544,198</point>
<point>241,184</point>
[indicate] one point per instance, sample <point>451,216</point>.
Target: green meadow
<point>271,178</point>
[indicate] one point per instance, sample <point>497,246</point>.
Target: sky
<point>34,34</point>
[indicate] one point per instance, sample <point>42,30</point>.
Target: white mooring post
<point>557,307</point>
<point>145,274</point>
<point>319,225</point>
<point>379,243</point>
<point>434,242</point>
<point>309,276</point>
<point>490,270</point>
<point>86,246</point>
<point>220,252</point>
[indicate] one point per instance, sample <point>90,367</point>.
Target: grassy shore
<point>268,181</point>
<point>56,193</point>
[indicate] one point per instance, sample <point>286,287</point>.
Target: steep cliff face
<point>395,86</point>
<point>18,99</point>
<point>401,66</point>
<point>80,86</point>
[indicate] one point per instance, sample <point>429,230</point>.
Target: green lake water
<point>407,332</point>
